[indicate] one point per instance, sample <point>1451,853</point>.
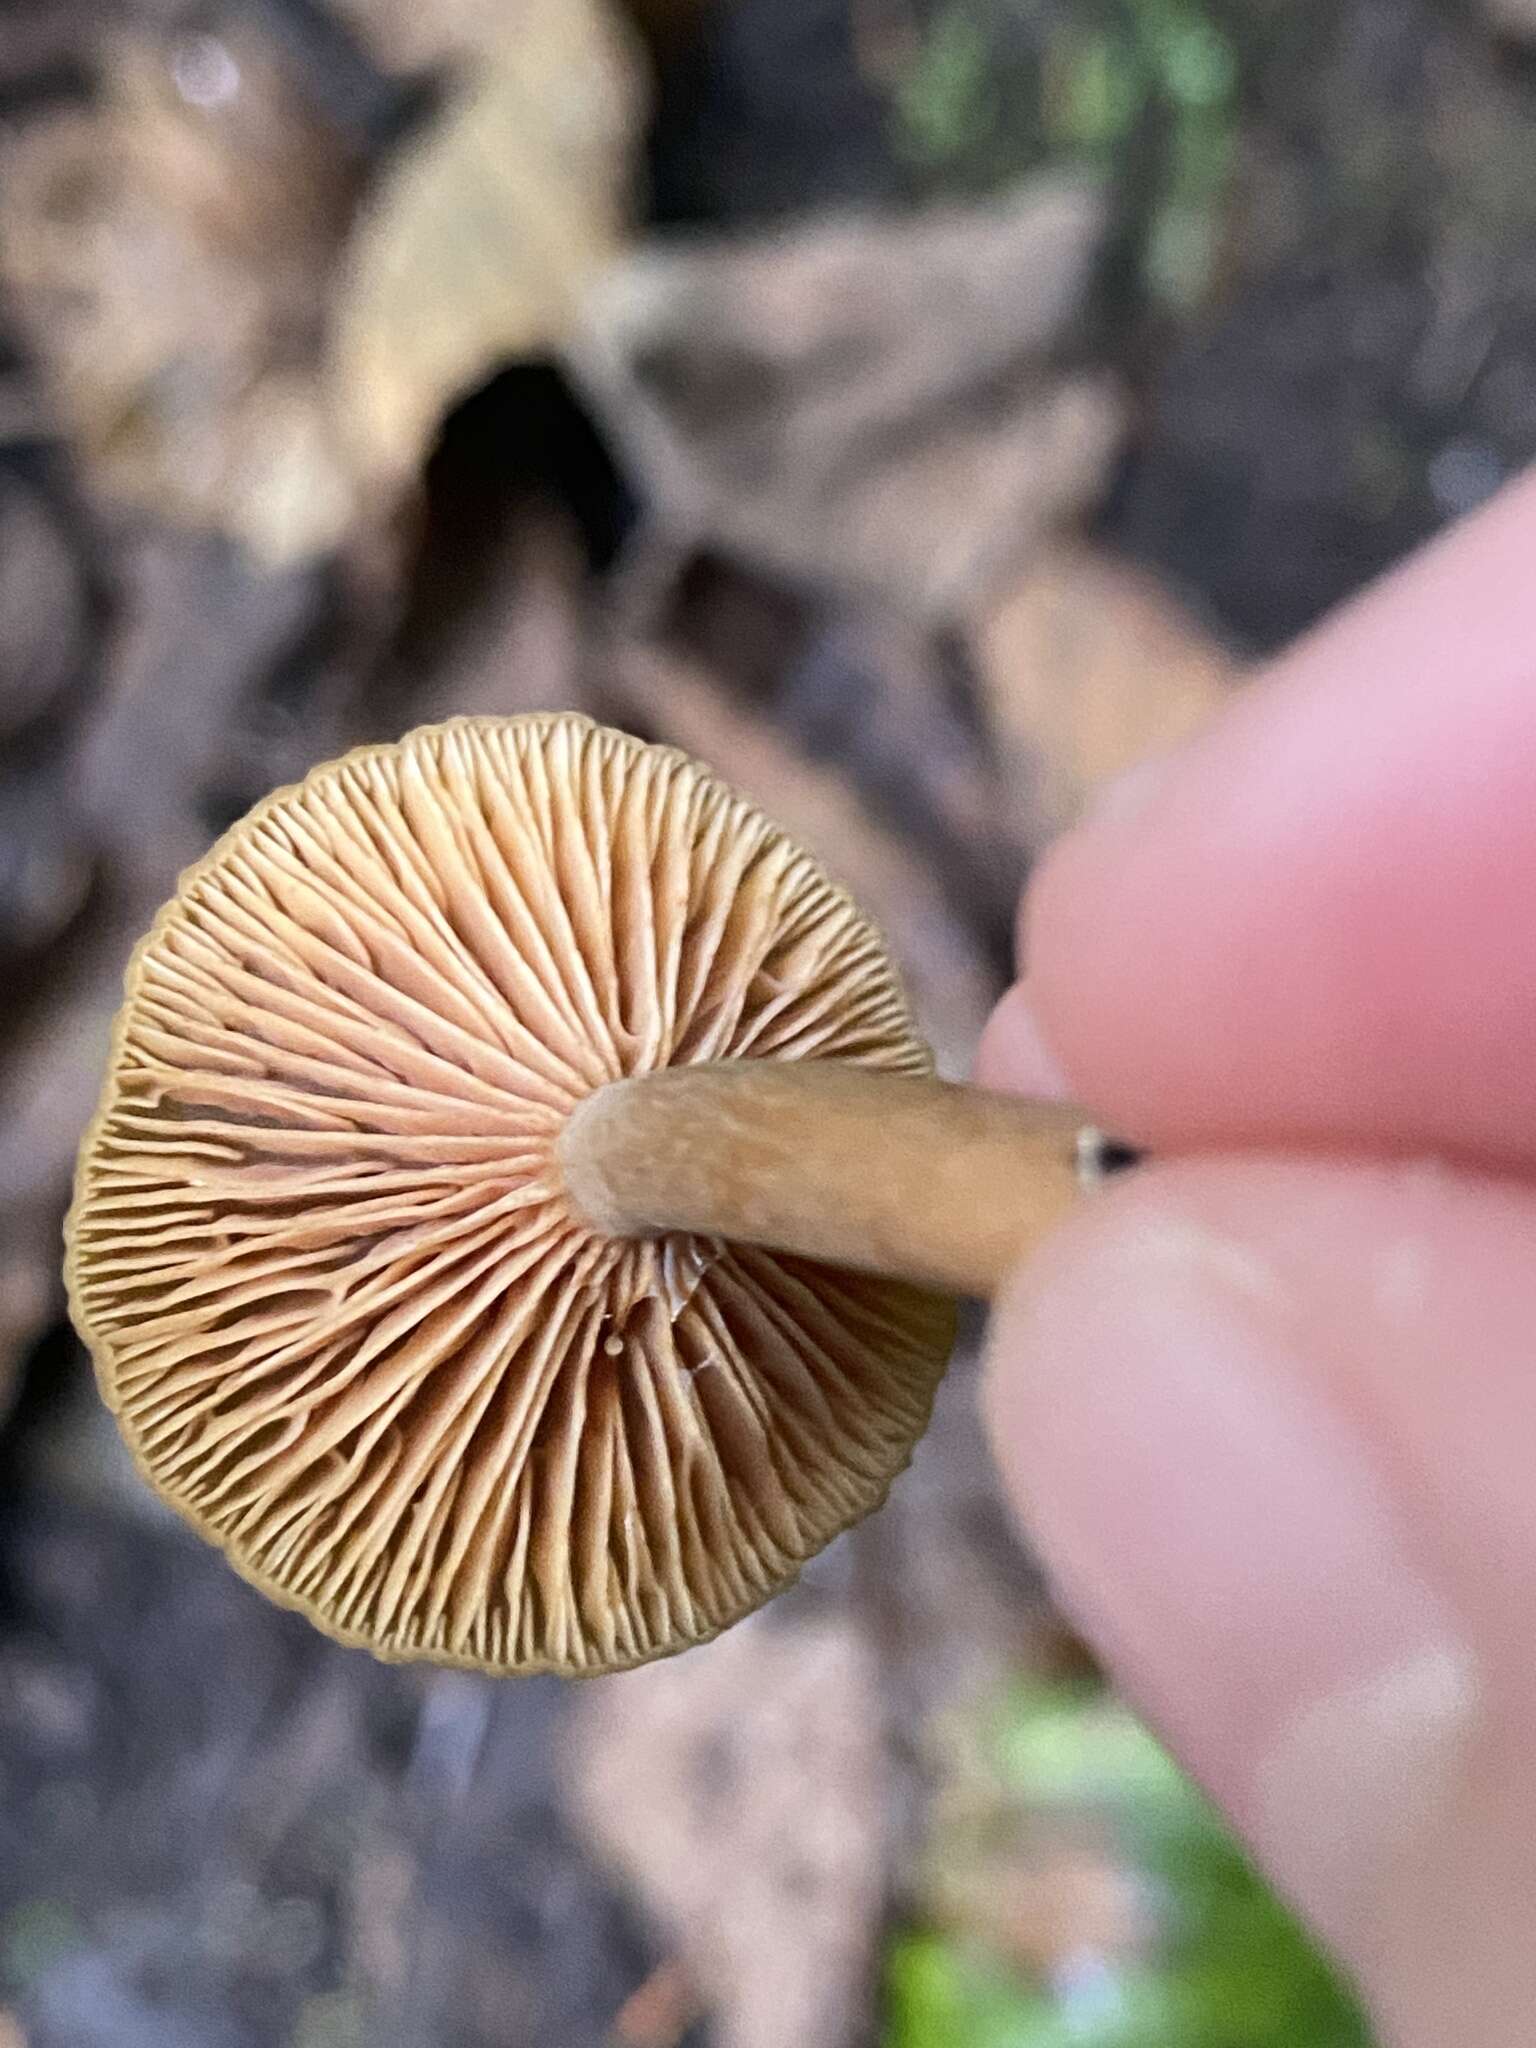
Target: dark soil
<point>1369,369</point>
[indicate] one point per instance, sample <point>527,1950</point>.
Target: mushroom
<point>520,1221</point>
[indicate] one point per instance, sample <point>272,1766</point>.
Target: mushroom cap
<point>321,1253</point>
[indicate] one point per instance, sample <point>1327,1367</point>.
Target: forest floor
<point>916,526</point>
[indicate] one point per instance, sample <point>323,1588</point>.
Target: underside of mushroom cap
<point>321,1252</point>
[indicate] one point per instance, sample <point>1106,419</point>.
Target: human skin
<point>1268,1407</point>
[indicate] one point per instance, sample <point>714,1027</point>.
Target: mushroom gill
<point>350,1322</point>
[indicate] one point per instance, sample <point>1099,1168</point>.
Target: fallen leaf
<point>741,1792</point>
<point>521,644</point>
<point>479,242</point>
<point>950,984</point>
<point>873,406</point>
<point>50,1083</point>
<point>218,131</point>
<point>44,611</point>
<point>659,2013</point>
<point>180,682</point>
<point>876,693</point>
<point>22,415</point>
<point>405,37</point>
<point>29,1302</point>
<point>1513,17</point>
<point>1088,667</point>
<point>945,1593</point>
<point>198,634</point>
<point>164,251</point>
<point>45,867</point>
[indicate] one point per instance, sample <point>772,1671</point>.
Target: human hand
<point>1269,1411</point>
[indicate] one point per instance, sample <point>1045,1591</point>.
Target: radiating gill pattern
<point>322,1257</point>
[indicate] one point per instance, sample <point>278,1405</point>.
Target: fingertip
<point>1014,1055</point>
<point>1309,922</point>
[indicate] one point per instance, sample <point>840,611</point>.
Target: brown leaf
<point>199,634</point>
<point>950,1601</point>
<point>659,2013</point>
<point>521,645</point>
<point>45,870</point>
<point>741,1792</point>
<point>42,607</point>
<point>1088,667</point>
<point>951,987</point>
<point>29,1302</point>
<point>164,251</point>
<point>869,405</point>
<point>50,1083</point>
<point>874,691</point>
<point>1513,17</point>
<point>197,639</point>
<point>219,133</point>
<point>22,414</point>
<point>481,240</point>
<point>404,36</point>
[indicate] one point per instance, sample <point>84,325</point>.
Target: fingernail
<point>1218,1529</point>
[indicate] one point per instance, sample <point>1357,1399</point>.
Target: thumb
<point>1270,1424</point>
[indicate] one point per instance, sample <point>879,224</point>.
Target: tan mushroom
<point>415,1238</point>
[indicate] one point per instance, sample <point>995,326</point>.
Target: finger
<point>1321,917</point>
<point>1014,1054</point>
<point>1270,1426</point>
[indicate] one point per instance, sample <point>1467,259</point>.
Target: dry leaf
<point>198,636</point>
<point>164,251</point>
<point>520,646</point>
<point>481,240</point>
<point>52,1072</point>
<point>741,1791</point>
<point>217,130</point>
<point>404,36</point>
<point>952,1603</point>
<point>46,867</point>
<point>28,1304</point>
<point>659,2013</point>
<point>950,984</point>
<point>876,692</point>
<point>1513,17</point>
<point>1088,667</point>
<point>870,405</point>
<point>22,414</point>
<point>43,607</point>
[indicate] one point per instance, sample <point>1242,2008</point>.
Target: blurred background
<point>919,409</point>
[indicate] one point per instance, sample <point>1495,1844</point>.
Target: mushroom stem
<point>904,1176</point>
